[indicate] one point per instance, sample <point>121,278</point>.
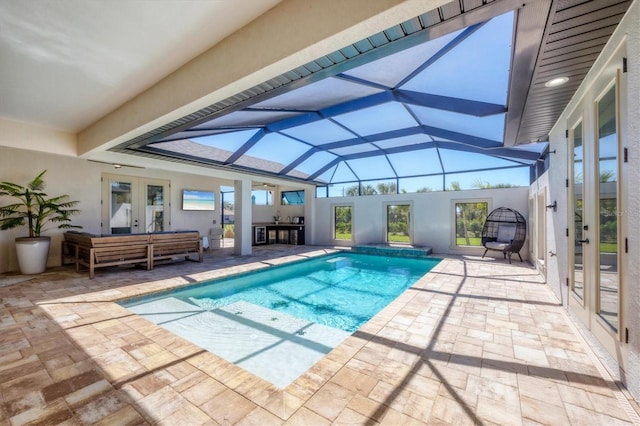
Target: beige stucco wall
<point>28,136</point>
<point>81,180</point>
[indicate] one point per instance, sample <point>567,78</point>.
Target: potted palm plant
<point>35,209</point>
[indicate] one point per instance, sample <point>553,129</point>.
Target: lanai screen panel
<point>428,110</point>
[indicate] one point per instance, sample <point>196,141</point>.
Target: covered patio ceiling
<point>458,89</point>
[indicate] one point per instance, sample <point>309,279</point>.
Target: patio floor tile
<point>475,341</point>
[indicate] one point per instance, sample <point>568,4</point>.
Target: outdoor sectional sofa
<point>100,251</point>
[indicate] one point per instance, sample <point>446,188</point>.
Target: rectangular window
<point>343,225</point>
<point>292,198</point>
<point>262,197</point>
<point>470,217</point>
<point>398,223</point>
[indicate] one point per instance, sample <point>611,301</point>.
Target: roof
<point>460,88</point>
<point>457,89</point>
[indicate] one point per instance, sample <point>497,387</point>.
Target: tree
<point>343,220</point>
<point>455,186</point>
<point>470,218</point>
<point>368,190</point>
<point>480,184</point>
<point>424,189</point>
<point>34,209</point>
<point>607,176</point>
<point>352,191</point>
<point>387,188</point>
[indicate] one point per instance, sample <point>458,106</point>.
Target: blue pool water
<point>341,291</point>
<point>278,322</point>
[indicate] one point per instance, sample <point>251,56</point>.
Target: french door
<point>134,204</point>
<point>596,249</point>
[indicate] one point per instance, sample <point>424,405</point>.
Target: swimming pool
<point>278,322</point>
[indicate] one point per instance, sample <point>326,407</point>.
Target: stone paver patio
<point>475,341</point>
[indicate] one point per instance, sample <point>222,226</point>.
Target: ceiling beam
<point>532,22</point>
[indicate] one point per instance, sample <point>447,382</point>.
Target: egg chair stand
<point>504,230</point>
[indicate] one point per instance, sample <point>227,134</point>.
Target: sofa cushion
<point>506,232</point>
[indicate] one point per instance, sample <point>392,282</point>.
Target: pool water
<point>278,322</point>
<point>342,291</point>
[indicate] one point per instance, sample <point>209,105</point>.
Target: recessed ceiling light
<point>558,81</point>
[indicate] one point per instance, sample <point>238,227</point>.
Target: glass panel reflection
<point>608,286</point>
<point>343,224</point>
<point>155,208</point>
<point>120,217</point>
<point>578,274</point>
<point>398,223</point>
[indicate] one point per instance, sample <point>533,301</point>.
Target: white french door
<point>134,204</point>
<point>596,247</point>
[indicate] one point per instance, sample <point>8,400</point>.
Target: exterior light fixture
<point>555,82</point>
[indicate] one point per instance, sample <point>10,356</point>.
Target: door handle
<point>585,241</point>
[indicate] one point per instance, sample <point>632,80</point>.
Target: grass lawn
<point>608,248</point>
<point>343,236</point>
<point>397,238</point>
<point>473,241</point>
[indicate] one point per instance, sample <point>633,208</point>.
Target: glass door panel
<point>607,170</point>
<point>133,204</point>
<point>120,214</point>
<point>578,155</point>
<point>155,208</point>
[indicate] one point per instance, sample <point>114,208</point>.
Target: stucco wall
<point>81,180</point>
<point>432,216</point>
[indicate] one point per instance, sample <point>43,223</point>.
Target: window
<point>262,197</point>
<point>292,197</point>
<point>343,225</point>
<point>470,217</point>
<point>398,223</point>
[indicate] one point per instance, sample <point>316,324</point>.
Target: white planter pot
<point>32,254</point>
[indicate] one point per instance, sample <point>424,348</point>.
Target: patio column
<point>242,244</point>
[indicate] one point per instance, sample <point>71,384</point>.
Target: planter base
<point>32,254</point>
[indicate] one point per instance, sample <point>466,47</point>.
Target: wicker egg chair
<point>504,230</point>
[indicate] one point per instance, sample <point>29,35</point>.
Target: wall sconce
<point>553,206</point>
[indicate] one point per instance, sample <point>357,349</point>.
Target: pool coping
<point>282,403</point>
